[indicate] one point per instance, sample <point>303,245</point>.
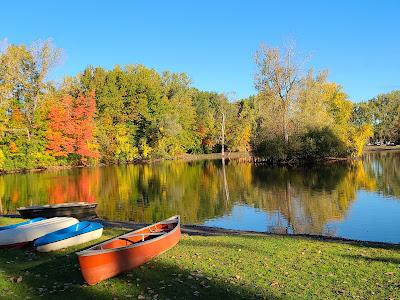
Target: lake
<point>357,200</point>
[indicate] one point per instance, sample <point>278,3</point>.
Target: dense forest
<point>132,112</point>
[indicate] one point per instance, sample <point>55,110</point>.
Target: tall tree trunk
<point>285,131</point>
<point>285,127</point>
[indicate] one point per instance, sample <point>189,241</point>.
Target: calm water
<point>358,200</point>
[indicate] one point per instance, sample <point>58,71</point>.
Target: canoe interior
<point>138,236</point>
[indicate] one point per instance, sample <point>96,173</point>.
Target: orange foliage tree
<point>71,126</point>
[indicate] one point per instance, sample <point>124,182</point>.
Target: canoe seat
<point>143,235</point>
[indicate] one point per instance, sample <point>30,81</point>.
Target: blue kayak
<point>79,233</point>
<point>22,223</point>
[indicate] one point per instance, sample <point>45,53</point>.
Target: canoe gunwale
<point>90,251</point>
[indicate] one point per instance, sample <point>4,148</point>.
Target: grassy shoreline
<point>214,267</point>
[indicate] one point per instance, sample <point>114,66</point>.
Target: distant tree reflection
<point>304,199</point>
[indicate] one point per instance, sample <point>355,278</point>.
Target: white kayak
<point>19,236</point>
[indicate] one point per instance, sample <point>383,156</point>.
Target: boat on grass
<point>21,235</point>
<point>127,251</point>
<point>76,234</point>
<point>74,209</point>
<point>21,223</point>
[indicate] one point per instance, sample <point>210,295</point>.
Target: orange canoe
<point>129,250</point>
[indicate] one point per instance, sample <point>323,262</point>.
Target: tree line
<point>133,112</point>
<point>383,112</point>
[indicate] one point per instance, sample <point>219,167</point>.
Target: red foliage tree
<point>71,126</point>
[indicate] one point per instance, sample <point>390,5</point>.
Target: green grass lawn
<point>218,267</point>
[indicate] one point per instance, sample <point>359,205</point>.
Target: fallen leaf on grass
<point>389,273</point>
<point>274,283</point>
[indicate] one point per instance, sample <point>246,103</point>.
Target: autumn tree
<point>239,125</point>
<point>23,91</point>
<point>207,125</point>
<point>71,128</point>
<point>23,72</point>
<point>313,116</point>
<point>277,81</point>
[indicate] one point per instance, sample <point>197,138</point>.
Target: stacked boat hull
<point>76,234</point>
<point>22,223</point>
<point>21,235</point>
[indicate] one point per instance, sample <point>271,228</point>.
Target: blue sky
<point>214,41</point>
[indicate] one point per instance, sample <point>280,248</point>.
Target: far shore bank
<point>381,148</point>
<point>183,157</point>
<point>247,156</point>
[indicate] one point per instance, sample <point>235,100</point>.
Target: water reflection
<point>315,200</point>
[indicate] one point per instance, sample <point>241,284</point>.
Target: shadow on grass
<point>57,276</point>
<point>386,246</point>
<point>371,259</point>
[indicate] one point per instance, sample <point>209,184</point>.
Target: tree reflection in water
<point>305,199</point>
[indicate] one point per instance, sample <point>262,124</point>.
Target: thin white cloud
<point>3,44</point>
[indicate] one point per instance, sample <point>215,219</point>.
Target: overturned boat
<point>74,209</point>
<point>21,223</point>
<point>129,250</point>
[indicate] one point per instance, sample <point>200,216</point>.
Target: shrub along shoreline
<point>215,267</point>
<point>245,156</point>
